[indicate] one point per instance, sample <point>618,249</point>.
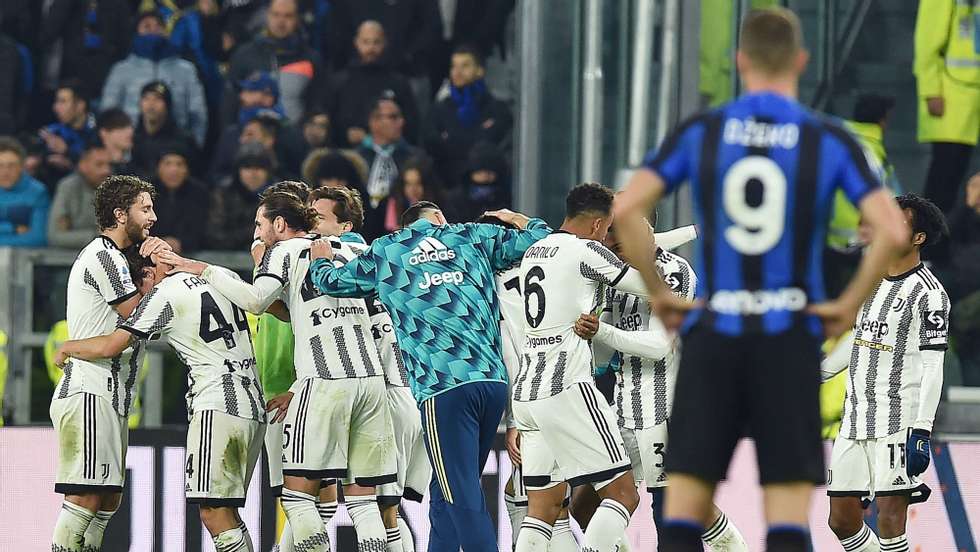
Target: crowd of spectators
<point>215,100</point>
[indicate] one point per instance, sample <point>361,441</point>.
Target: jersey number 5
<point>757,226</point>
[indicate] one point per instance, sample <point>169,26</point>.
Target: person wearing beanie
<point>156,129</point>
<point>232,210</point>
<point>469,115</point>
<point>181,203</point>
<point>485,184</point>
<point>153,58</point>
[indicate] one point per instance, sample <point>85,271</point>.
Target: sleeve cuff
<point>934,347</point>
<point>138,333</point>
<point>123,298</point>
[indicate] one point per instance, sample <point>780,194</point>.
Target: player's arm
<point>672,239</point>
<point>255,297</point>
<point>356,278</point>
<point>933,309</point>
<point>631,207</point>
<point>651,343</point>
<point>279,310</point>
<point>94,348</point>
<point>839,358</point>
<point>505,246</point>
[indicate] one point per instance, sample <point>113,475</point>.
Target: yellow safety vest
<point>947,65</point>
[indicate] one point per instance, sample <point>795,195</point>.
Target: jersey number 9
<point>755,228</point>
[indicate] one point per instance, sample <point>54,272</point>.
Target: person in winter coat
<point>24,202</point>
<point>181,203</point>
<point>417,182</point>
<point>333,168</point>
<point>154,58</point>
<point>232,221</point>
<point>485,185</point>
<point>157,130</point>
<point>470,115</point>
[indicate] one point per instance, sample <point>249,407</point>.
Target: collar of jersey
<point>109,241</point>
<point>905,274</point>
<point>421,224</point>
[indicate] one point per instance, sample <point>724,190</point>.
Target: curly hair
<point>118,192</point>
<point>293,211</point>
<point>589,199</point>
<point>347,204</point>
<point>926,218</point>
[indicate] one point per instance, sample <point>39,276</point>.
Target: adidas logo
<point>899,481</point>
<point>430,250</point>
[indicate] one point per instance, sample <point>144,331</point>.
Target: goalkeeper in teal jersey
<point>437,282</point>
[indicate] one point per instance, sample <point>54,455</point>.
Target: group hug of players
<point>568,301</point>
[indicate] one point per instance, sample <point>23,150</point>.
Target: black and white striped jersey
<point>563,276</point>
<point>905,315</point>
<point>332,335</point>
<point>211,337</point>
<point>645,386</point>
<point>511,302</point>
<point>99,280</point>
<point>390,354</point>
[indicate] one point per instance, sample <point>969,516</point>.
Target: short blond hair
<point>771,38</point>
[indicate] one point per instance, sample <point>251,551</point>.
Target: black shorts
<point>766,387</point>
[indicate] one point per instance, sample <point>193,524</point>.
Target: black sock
<point>787,539</point>
<point>681,536</point>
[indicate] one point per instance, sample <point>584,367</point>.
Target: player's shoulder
<point>929,281</point>
<point>100,249</point>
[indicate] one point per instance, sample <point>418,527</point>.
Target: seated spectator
<point>72,223</point>
<point>181,204</point>
<point>469,115</point>
<point>94,35</point>
<point>232,221</point>
<point>280,48</point>
<point>259,94</point>
<point>154,58</point>
<point>333,168</point>
<point>384,151</point>
<point>352,90</point>
<point>316,130</point>
<point>74,127</point>
<point>116,134</point>
<point>417,182</point>
<point>24,202</point>
<point>156,129</point>
<point>268,131</point>
<point>485,185</point>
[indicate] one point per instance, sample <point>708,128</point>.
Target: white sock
<point>95,531</point>
<point>408,541</point>
<point>233,540</point>
<point>394,539</point>
<point>863,541</point>
<point>624,544</point>
<point>305,524</point>
<point>895,544</point>
<point>723,536</point>
<point>535,536</point>
<point>516,514</point>
<point>364,512</point>
<point>607,528</point>
<point>326,511</point>
<point>69,531</point>
<point>562,539</point>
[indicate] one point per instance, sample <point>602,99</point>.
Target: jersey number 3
<point>757,226</point>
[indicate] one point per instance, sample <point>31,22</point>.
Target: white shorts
<point>870,467</point>
<point>571,436</point>
<point>646,448</point>
<point>517,481</point>
<point>222,451</point>
<point>339,428</point>
<point>414,470</point>
<point>92,442</point>
<point>273,453</point>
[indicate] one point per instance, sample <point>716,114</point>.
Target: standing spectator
<point>116,134</point>
<point>480,23</point>
<point>197,36</point>
<point>75,126</point>
<point>232,221</point>
<point>327,168</point>
<point>157,130</point>
<point>279,49</point>
<point>94,35</point>
<point>316,130</point>
<point>385,151</point>
<point>417,182</point>
<point>273,135</point>
<point>154,58</point>
<point>947,71</point>
<point>366,78</point>
<point>485,184</point>
<point>181,203</point>
<point>72,223</point>
<point>24,202</point>
<point>469,115</point>
<point>11,71</point>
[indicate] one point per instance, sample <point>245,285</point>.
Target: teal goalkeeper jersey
<point>437,282</point>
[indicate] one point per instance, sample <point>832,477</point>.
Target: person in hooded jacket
<point>485,185</point>
<point>157,130</point>
<point>232,221</point>
<point>417,182</point>
<point>181,203</point>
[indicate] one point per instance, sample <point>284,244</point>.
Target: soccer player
<point>567,429</point>
<point>763,173</point>
<point>646,359</point>
<point>337,424</point>
<point>895,380</point>
<point>92,400</point>
<point>224,402</point>
<point>436,281</point>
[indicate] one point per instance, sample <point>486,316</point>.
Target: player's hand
<point>671,309</point>
<point>513,441</point>
<point>180,264</point>
<point>507,215</point>
<point>936,106</point>
<point>280,404</point>
<point>61,357</point>
<point>917,452</point>
<point>321,249</point>
<point>153,245</point>
<point>837,317</point>
<point>257,251</point>
<point>587,326</point>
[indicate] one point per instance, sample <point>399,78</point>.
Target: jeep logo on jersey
<point>875,328</point>
<point>455,277</point>
<point>430,250</point>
